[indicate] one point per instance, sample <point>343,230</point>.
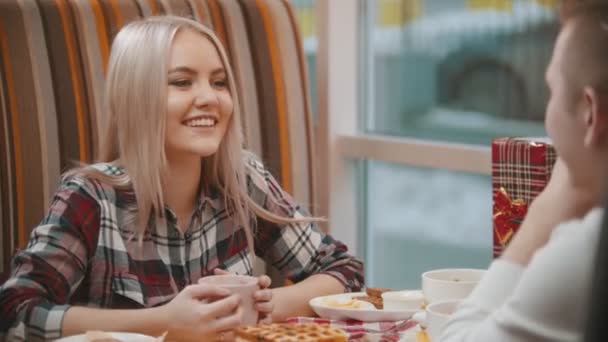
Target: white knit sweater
<point>545,301</point>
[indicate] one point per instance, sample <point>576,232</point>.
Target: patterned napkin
<point>369,331</point>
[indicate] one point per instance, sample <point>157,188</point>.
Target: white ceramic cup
<point>406,300</point>
<point>243,285</point>
<point>434,317</point>
<point>450,283</point>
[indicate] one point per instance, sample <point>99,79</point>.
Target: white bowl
<point>403,300</point>
<point>450,283</point>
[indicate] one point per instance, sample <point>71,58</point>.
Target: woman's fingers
<point>264,302</point>
<point>264,281</point>
<point>227,322</point>
<point>265,319</point>
<point>202,291</point>
<point>262,295</point>
<point>222,307</point>
<point>265,307</point>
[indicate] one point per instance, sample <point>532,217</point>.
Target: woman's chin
<point>207,152</point>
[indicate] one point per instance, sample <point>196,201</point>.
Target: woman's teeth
<point>201,123</point>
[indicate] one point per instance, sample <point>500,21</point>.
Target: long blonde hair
<point>134,137</point>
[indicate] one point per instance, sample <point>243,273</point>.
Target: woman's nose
<point>205,96</point>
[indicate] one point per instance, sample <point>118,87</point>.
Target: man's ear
<point>595,117</point>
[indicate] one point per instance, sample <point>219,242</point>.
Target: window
<point>410,94</point>
<point>444,72</point>
<point>424,219</point>
<point>461,71</point>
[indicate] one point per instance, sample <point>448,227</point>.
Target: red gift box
<point>521,168</point>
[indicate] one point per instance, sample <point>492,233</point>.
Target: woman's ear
<point>595,117</point>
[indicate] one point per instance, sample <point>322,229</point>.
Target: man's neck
<point>593,183</point>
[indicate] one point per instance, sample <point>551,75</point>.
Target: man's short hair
<point>570,9</point>
<point>586,57</point>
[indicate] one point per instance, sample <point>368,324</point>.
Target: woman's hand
<point>263,297</point>
<point>201,313</point>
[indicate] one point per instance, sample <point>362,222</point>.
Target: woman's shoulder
<point>94,179</point>
<point>109,169</point>
<point>254,164</point>
<point>257,174</point>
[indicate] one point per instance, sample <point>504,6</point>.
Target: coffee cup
<point>434,317</point>
<point>243,285</point>
<point>450,283</point>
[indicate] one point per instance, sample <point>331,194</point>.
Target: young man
<point>539,288</point>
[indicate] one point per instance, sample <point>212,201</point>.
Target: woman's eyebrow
<point>182,69</point>
<point>218,71</point>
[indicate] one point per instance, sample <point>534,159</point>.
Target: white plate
<point>365,315</point>
<point>124,337</point>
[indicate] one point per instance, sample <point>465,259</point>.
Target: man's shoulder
<point>572,247</point>
<point>560,272</point>
<point>580,230</point>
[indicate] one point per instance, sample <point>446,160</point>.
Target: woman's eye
<point>220,83</point>
<point>181,83</point>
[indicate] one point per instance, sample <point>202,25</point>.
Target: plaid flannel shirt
<point>84,253</point>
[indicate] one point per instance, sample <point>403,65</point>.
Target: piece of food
<point>287,332</point>
<point>376,291</point>
<point>376,301</point>
<point>99,336</point>
<point>374,296</point>
<point>421,336</point>
<point>347,303</point>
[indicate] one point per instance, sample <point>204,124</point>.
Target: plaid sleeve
<point>34,299</point>
<point>297,250</point>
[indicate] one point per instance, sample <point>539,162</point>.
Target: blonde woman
<point>174,198</point>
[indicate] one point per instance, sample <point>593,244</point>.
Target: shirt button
<point>187,236</point>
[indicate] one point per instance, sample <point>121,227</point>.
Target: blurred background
<point>433,74</point>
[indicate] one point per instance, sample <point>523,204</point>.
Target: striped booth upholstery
<point>53,56</point>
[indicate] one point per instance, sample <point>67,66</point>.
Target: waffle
<point>287,332</point>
